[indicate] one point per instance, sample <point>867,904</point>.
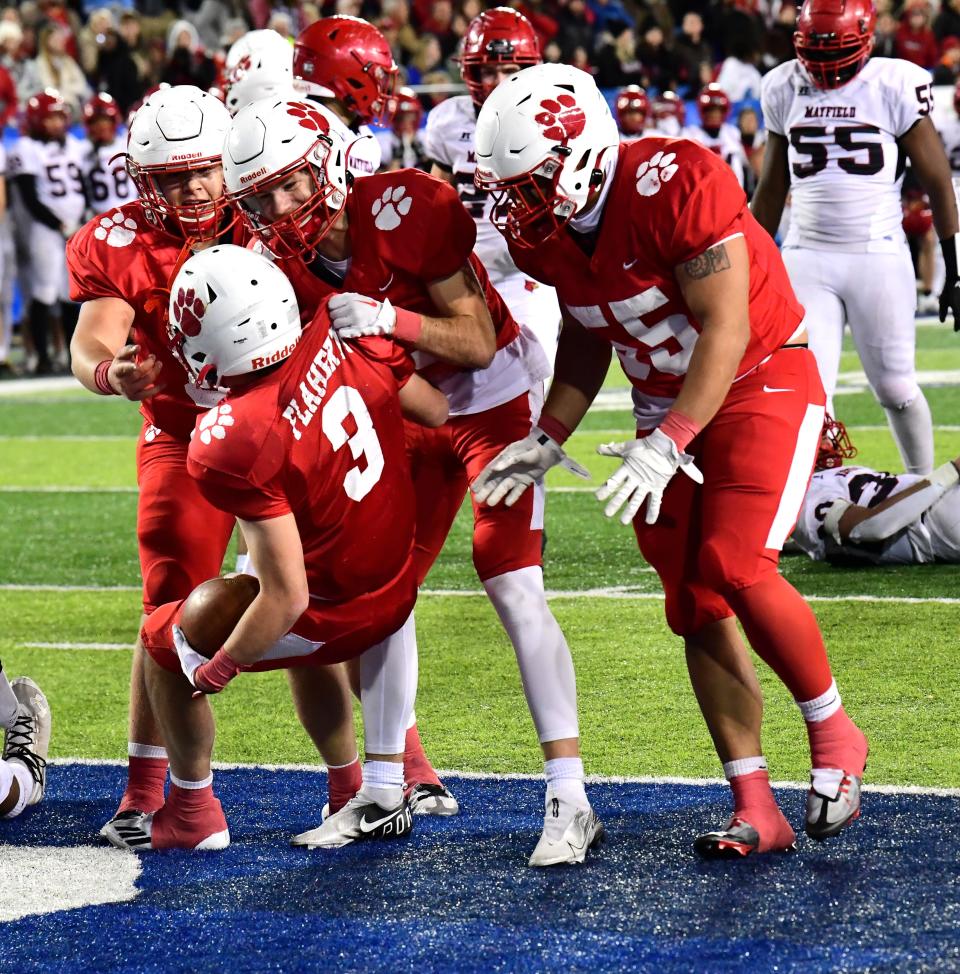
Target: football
<point>213,609</point>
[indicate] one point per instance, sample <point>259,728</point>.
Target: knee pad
<point>896,391</point>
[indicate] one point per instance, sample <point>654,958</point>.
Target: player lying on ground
<point>653,251</point>
<point>307,452</point>
<point>406,239</point>
<point>855,515</point>
<point>25,719</point>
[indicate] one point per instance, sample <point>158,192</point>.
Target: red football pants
<point>444,461</point>
<point>715,540</point>
<point>182,537</point>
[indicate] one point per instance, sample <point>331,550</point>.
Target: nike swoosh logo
<point>769,389</point>
<point>366,826</point>
<point>627,264</point>
<point>385,286</point>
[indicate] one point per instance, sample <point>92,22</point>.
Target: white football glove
<point>648,465</point>
<point>519,465</point>
<point>190,659</point>
<point>356,315</point>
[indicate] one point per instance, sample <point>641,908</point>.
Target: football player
<point>307,451</point>
<point>855,515</point>
<point>693,296</point>
<point>108,183</point>
<point>405,239</point>
<point>669,114</point>
<point>259,65</point>
<point>121,264</point>
<point>632,108</point>
<point>402,144</point>
<point>498,43</point>
<point>25,719</point>
<point>346,65</point>
<point>838,124</point>
<point>46,169</point>
<point>716,133</point>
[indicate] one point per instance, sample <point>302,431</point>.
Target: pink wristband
<point>681,429</point>
<point>554,428</point>
<point>216,673</point>
<point>100,379</point>
<point>409,325</point>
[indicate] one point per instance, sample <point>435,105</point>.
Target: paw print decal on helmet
<point>188,311</point>
<point>116,229</point>
<point>215,424</point>
<point>310,118</point>
<point>562,119</point>
<point>653,172</point>
<point>391,208</point>
<point>239,69</point>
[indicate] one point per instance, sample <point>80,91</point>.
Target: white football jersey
<point>410,152</point>
<point>58,169</point>
<point>108,184</point>
<point>668,127</point>
<point>364,156</point>
<point>950,135</point>
<point>932,537</point>
<point>726,144</point>
<point>448,139</point>
<point>844,161</point>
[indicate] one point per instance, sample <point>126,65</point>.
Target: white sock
<point>742,766</point>
<point>20,773</point>
<point>8,702</point>
<point>546,667</point>
<point>388,689</point>
<point>565,780</point>
<point>826,781</point>
<point>135,750</point>
<point>912,428</point>
<point>822,707</point>
<point>383,782</point>
<point>243,564</point>
<point>412,720</point>
<point>191,785</point>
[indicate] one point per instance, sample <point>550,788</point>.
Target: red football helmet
<point>350,60</point>
<point>101,108</point>
<point>407,111</point>
<point>834,38</point>
<point>42,106</point>
<point>669,104</point>
<point>835,445</point>
<point>713,99</point>
<point>498,36</point>
<point>632,107</point>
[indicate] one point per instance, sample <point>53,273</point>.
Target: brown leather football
<point>213,609</point>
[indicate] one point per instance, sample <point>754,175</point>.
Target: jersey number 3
<point>346,403</point>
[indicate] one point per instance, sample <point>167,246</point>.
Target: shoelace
<point>19,739</point>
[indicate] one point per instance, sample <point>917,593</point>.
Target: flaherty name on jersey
<point>303,407</point>
<point>830,111</point>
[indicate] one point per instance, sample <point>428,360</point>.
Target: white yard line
<point>103,646</point>
<point>72,489</point>
<point>15,587</point>
<point>511,776</point>
<point>58,438</point>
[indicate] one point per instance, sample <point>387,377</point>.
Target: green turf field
<point>68,497</point>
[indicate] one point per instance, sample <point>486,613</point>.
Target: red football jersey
<point>407,230</point>
<point>670,200</point>
<point>322,437</point>
<point>121,254</point>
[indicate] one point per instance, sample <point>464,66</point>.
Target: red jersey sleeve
<point>396,358</point>
<point>698,207</point>
<point>237,496</point>
<point>88,278</point>
<point>450,236</point>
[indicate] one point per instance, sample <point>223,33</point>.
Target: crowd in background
<point>125,49</point>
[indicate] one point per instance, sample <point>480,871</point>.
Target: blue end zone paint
<point>457,896</point>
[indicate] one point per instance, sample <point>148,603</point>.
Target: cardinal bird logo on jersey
<point>561,119</point>
<point>188,311</point>
<point>310,118</point>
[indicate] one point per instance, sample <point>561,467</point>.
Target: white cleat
<point>28,741</point>
<point>134,830</point>
<point>828,815</point>
<point>360,819</point>
<point>432,800</point>
<point>569,831</point>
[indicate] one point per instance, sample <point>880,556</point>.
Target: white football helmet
<point>269,142</point>
<point>259,65</point>
<point>541,139</point>
<point>178,130</point>
<point>232,312</point>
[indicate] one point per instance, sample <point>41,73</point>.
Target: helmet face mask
<point>529,208</point>
<point>835,445</point>
<point>632,108</point>
<point>101,116</point>
<point>713,103</point>
<point>834,39</point>
<point>498,42</point>
<point>47,116</point>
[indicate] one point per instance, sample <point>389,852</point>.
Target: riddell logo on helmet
<point>185,155</point>
<point>278,356</point>
<point>253,175</point>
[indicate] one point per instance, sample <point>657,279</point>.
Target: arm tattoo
<point>711,261</point>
